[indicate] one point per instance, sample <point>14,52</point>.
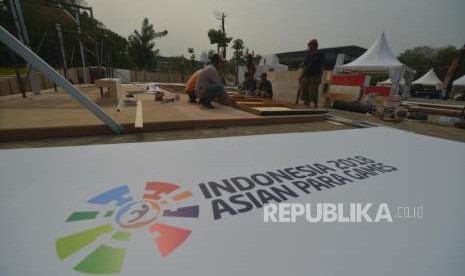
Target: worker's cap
<point>313,42</point>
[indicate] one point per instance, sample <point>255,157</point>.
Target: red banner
<point>378,90</point>
<point>348,80</point>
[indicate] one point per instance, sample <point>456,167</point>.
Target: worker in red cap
<point>312,72</point>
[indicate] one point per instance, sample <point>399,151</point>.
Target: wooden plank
<point>460,124</point>
<point>139,123</point>
<point>434,105</point>
<point>436,111</point>
<point>280,111</point>
<point>273,108</point>
<point>92,130</point>
<point>262,104</point>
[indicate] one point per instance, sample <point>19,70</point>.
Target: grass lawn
<point>7,71</point>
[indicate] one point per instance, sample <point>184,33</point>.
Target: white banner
<point>196,207</point>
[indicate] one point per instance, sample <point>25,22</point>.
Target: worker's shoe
<point>192,98</point>
<point>207,104</point>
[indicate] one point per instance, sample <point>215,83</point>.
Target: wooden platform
<point>56,114</point>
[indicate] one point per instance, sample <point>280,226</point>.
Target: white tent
<point>429,79</point>
<point>379,58</point>
<point>459,82</point>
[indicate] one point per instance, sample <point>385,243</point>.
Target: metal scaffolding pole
<point>62,50</point>
<point>35,61</point>
<point>81,46</point>
<point>19,19</point>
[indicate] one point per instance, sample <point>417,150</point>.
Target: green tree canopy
<point>423,58</point>
<point>142,44</point>
<point>219,38</point>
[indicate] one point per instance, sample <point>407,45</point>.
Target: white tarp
<point>429,79</point>
<point>388,82</point>
<point>459,81</point>
<point>270,63</point>
<point>123,74</point>
<point>51,197</point>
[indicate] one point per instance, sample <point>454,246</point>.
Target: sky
<point>274,26</point>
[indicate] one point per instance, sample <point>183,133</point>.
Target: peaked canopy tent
<point>428,79</point>
<point>379,59</point>
<point>459,82</point>
<point>458,86</point>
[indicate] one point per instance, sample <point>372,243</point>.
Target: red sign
<point>348,80</point>
<point>378,90</point>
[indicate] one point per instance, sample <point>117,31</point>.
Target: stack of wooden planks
<point>434,109</point>
<point>267,107</point>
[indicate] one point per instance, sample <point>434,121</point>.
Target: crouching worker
<point>190,86</point>
<point>210,84</point>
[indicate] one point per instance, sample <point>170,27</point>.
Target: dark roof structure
<point>295,59</point>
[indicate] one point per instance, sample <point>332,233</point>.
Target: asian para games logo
<point>122,216</point>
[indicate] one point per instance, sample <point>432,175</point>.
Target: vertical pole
<point>19,80</point>
<point>16,20</point>
<point>19,12</point>
<point>223,16</point>
<point>19,32</point>
<point>62,50</point>
<point>81,46</point>
<point>101,60</point>
<point>35,84</point>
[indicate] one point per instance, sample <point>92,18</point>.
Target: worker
<point>251,68</point>
<point>310,78</point>
<point>190,86</point>
<point>210,83</point>
<point>249,86</point>
<point>265,88</point>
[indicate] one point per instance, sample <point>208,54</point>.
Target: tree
<point>210,53</point>
<point>238,46</point>
<point>191,51</point>
<point>443,58</point>
<point>179,65</point>
<point>221,16</point>
<point>418,58</point>
<point>219,37</point>
<point>142,44</point>
<point>216,37</point>
<point>423,58</point>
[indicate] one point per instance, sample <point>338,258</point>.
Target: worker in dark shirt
<point>265,88</point>
<point>249,86</point>
<point>310,78</point>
